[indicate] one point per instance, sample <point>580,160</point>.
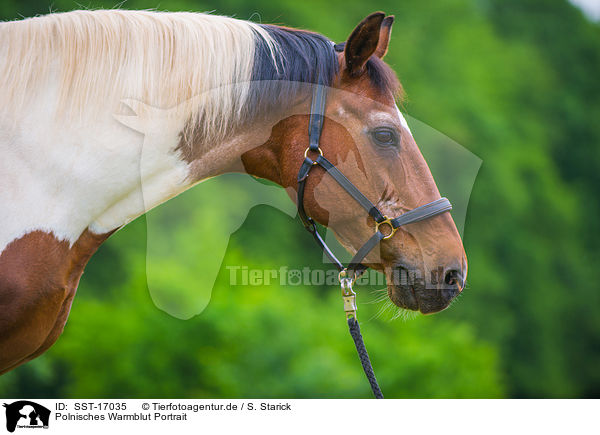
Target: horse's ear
<point>362,43</point>
<point>384,36</point>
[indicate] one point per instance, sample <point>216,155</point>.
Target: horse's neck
<point>64,189</point>
<point>100,175</point>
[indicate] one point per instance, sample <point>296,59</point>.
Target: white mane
<point>94,59</point>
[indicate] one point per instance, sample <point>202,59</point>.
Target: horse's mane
<point>99,57</point>
<point>222,71</point>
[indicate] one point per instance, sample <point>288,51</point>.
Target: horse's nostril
<point>453,277</point>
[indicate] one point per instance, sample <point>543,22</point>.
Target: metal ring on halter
<point>387,221</point>
<point>319,150</point>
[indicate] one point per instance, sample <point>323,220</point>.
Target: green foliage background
<point>514,81</point>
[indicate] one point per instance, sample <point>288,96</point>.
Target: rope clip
<point>348,295</point>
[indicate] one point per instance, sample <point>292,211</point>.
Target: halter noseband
<point>382,222</point>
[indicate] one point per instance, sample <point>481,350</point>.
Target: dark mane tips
<point>302,56</point>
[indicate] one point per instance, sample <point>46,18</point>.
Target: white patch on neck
<point>96,173</point>
<point>403,121</point>
<point>162,173</point>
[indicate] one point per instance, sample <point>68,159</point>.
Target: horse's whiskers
<point>456,298</point>
<point>378,298</point>
<point>384,308</point>
<point>404,314</point>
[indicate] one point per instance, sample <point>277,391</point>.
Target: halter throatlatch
<point>385,227</point>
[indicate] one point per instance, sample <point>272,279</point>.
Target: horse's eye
<point>385,137</point>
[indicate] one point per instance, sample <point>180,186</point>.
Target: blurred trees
<point>514,81</point>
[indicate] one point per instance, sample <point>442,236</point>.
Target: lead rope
<point>349,298</point>
<point>364,357</point>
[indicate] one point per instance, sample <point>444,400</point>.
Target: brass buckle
<point>386,221</point>
<point>308,149</point>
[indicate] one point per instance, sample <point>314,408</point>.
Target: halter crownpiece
<point>385,227</point>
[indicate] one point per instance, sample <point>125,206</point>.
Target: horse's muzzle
<point>412,292</point>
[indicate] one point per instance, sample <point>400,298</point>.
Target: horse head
<point>365,136</point>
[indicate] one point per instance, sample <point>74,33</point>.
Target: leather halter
<point>355,268</point>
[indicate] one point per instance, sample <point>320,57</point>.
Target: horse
<point>73,169</point>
